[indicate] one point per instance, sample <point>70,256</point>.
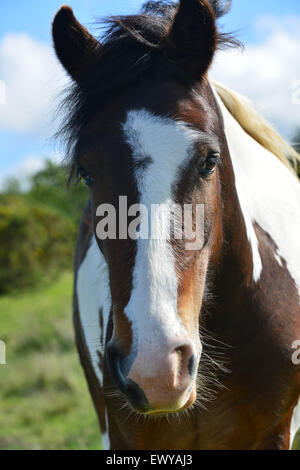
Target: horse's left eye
<point>209,165</point>
<point>85,176</point>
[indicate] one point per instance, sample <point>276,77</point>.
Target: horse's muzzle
<point>160,384</point>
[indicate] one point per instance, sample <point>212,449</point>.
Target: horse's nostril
<point>131,390</point>
<point>113,359</point>
<point>192,365</point>
<point>136,396</point>
<point>187,359</point>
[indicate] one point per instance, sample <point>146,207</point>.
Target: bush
<point>36,242</point>
<point>48,186</point>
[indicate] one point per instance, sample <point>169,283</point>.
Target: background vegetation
<point>38,228</point>
<point>44,401</point>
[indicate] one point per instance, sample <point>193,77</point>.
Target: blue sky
<point>25,26</point>
<point>34,16</point>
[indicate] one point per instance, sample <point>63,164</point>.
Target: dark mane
<point>132,46</point>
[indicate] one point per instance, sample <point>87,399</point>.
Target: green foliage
<point>48,186</point>
<point>44,398</point>
<point>11,186</point>
<point>38,228</point>
<point>36,242</point>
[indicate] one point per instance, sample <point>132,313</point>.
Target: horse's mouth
<point>170,411</point>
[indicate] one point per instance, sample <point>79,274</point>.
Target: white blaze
<point>165,144</point>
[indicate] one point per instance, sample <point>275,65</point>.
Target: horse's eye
<point>209,165</point>
<point>83,174</point>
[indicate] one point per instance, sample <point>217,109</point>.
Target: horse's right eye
<point>83,174</point>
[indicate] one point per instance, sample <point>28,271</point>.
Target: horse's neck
<point>268,195</point>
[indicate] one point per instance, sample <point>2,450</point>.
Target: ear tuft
<point>192,38</point>
<point>75,47</point>
<point>220,7</point>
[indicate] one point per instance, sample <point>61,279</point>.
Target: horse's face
<point>158,145</point>
<point>157,285</point>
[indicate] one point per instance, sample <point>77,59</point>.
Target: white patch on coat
<point>269,195</point>
<point>93,294</point>
<point>152,308</point>
<point>105,436</point>
<point>278,259</point>
<point>295,423</point>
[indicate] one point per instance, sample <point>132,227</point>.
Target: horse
<point>181,348</point>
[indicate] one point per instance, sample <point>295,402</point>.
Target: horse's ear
<point>192,37</point>
<point>75,47</point>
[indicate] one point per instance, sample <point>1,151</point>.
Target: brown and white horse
<point>182,349</point>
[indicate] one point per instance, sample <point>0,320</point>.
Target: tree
<point>38,227</point>
<point>49,187</point>
<point>36,242</point>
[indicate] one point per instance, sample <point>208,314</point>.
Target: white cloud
<point>24,170</point>
<point>268,72</point>
<point>28,167</point>
<point>265,72</point>
<point>33,79</point>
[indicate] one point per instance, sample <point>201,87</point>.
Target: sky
<point>267,71</point>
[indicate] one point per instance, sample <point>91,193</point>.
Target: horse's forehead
<point>163,142</point>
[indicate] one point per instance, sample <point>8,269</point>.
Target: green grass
<point>296,445</point>
<point>44,401</point>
